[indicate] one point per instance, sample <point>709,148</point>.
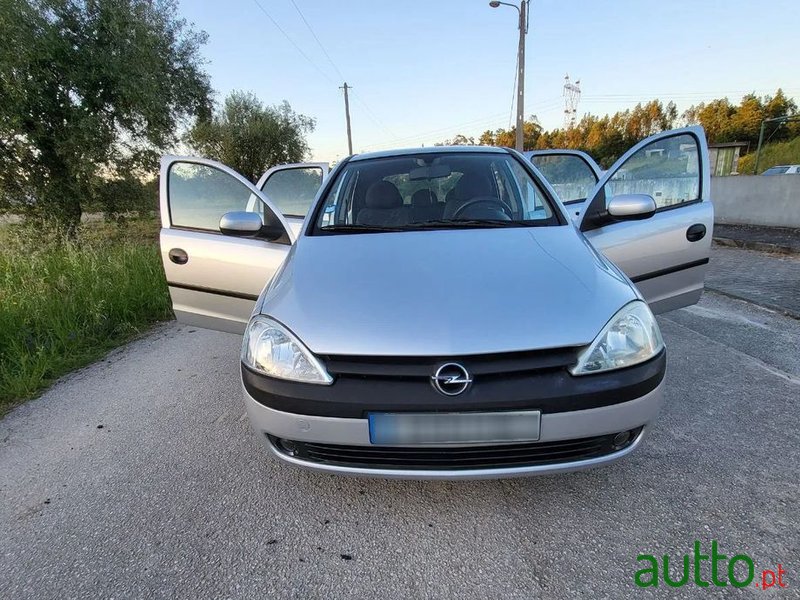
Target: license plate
<point>396,429</point>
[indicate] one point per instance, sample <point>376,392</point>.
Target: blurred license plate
<point>453,428</point>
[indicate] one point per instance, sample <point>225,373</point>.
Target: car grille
<point>454,458</point>
<point>486,366</point>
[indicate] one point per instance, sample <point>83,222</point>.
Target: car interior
<point>426,188</point>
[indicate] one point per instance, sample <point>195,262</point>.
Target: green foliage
<point>64,302</point>
<point>780,153</point>
<point>459,140</point>
<point>92,92</point>
<point>606,138</point>
<point>531,131</point>
<point>250,137</point>
<point>726,122</point>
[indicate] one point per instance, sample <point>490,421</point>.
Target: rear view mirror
<point>241,223</point>
<point>429,172</point>
<point>631,207</point>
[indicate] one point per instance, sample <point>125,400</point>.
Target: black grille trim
<point>548,390</point>
<point>454,458</point>
<point>424,366</point>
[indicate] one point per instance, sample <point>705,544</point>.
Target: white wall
<point>757,200</point>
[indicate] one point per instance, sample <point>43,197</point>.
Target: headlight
<point>629,338</point>
<point>269,348</point>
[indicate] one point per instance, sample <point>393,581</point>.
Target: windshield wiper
<point>465,224</point>
<point>358,228</point>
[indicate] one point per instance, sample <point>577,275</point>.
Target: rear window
<point>776,171</point>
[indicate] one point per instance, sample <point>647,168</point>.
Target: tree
<point>508,137</point>
<point>726,122</point>
<point>458,140</point>
<point>92,91</point>
<point>250,137</point>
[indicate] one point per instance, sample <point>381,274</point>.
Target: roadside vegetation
<point>65,301</point>
<point>779,153</point>
<point>607,137</point>
<point>92,93</point>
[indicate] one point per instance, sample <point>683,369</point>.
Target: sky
<point>423,71</point>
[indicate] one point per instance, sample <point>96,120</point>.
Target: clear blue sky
<point>424,70</point>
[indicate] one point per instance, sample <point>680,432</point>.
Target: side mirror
<point>631,207</point>
<point>241,223</point>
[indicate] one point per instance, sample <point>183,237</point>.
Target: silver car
<point>436,312</point>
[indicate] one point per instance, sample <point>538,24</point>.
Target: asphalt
<point>757,237</point>
<point>767,279</point>
<point>139,477</point>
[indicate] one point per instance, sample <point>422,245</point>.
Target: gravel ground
<point>139,477</point>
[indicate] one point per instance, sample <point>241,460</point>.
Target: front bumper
<point>631,415</point>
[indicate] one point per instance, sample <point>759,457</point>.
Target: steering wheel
<point>495,202</point>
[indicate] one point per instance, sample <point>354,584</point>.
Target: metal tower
<point>572,95</point>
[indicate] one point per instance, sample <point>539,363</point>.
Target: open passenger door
<point>292,188</point>
<point>571,173</point>
<point>221,240</point>
<point>666,255</point>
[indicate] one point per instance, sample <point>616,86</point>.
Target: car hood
<point>446,293</point>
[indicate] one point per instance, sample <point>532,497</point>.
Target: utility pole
<point>523,29</point>
<point>347,117</point>
<point>522,9</point>
<point>780,121</point>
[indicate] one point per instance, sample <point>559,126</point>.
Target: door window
<point>200,194</point>
<point>292,191</point>
<point>570,176</point>
<point>668,169</point>
<point>533,205</point>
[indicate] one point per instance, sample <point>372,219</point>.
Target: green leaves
<point>250,137</point>
<point>93,91</point>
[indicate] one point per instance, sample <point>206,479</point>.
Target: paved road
<point>174,497</point>
<point>771,280</point>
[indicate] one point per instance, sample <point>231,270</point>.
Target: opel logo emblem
<point>451,379</point>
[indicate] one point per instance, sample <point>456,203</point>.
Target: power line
<point>680,95</point>
<point>292,42</point>
<point>485,121</point>
<point>441,130</point>
<point>319,43</point>
<point>496,119</point>
<point>372,116</point>
<point>368,110</point>
<point>513,93</point>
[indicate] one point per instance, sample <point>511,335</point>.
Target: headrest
<point>473,184</point>
<point>423,198</point>
<point>383,194</point>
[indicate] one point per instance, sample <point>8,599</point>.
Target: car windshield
<point>446,190</point>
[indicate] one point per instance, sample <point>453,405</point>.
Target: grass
<point>65,303</point>
<point>779,153</point>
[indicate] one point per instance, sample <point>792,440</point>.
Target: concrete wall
<point>757,200</point>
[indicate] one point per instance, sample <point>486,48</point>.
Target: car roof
<point>429,150</point>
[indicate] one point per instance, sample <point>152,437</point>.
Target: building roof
<point>729,144</point>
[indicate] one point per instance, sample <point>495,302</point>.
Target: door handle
<point>696,232</point>
<point>178,256</point>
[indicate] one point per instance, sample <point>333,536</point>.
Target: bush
<point>780,153</point>
<point>64,303</point>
